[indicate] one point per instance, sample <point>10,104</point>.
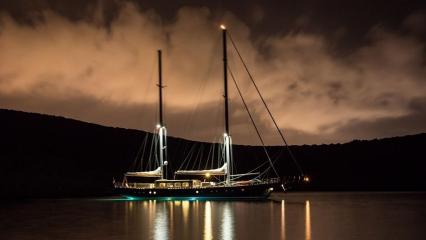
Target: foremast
<point>227,140</point>
<point>162,131</point>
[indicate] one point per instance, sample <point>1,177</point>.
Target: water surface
<point>306,216</point>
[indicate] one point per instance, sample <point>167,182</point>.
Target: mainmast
<point>227,141</point>
<point>225,78</point>
<point>162,132</point>
<point>160,88</point>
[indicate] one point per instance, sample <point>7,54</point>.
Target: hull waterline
<point>253,192</point>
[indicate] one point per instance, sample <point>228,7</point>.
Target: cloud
<point>107,75</point>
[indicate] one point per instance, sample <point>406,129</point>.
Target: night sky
<point>331,71</point>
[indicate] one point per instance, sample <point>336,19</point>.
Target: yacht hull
<point>258,191</point>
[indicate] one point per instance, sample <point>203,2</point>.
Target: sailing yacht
<point>196,183</point>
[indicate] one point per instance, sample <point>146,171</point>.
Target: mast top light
<point>158,126</point>
<point>222,26</point>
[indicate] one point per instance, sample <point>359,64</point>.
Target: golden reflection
<point>227,223</point>
<point>194,207</point>
<point>282,219</point>
<point>307,220</point>
<point>185,211</point>
<point>161,229</point>
<point>171,217</point>
<point>208,235</point>
<point>151,209</point>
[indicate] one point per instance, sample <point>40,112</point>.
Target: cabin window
<point>178,185</point>
<point>170,185</point>
<point>162,185</point>
<point>185,184</point>
<point>196,183</point>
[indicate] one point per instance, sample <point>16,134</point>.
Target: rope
<point>144,143</point>
<point>266,106</point>
<point>187,157</point>
<point>191,120</point>
<point>252,120</point>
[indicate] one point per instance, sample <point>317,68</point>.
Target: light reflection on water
<point>163,215</point>
<point>308,216</point>
<point>208,234</point>
<point>307,220</point>
<point>282,219</point>
<point>161,228</point>
<point>227,225</point>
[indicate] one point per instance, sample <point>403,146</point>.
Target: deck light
<point>222,26</point>
<point>158,126</point>
<point>207,175</point>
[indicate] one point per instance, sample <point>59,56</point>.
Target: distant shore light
<point>306,179</point>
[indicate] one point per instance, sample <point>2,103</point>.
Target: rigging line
<point>150,150</point>
<point>182,154</point>
<point>200,155</point>
<point>266,106</point>
<point>195,157</point>
<point>213,152</point>
<point>208,156</point>
<point>258,167</point>
<point>217,123</point>
<point>218,157</point>
<point>157,147</point>
<point>147,90</point>
<point>185,155</point>
<point>189,155</point>
<point>252,120</point>
<point>150,84</point>
<point>189,123</point>
<point>135,160</point>
<point>180,144</point>
<point>143,150</point>
<point>139,155</point>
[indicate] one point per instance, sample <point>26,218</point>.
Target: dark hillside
<point>46,156</point>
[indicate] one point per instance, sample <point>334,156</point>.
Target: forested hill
<point>47,156</point>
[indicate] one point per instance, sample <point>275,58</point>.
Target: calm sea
<point>297,216</point>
